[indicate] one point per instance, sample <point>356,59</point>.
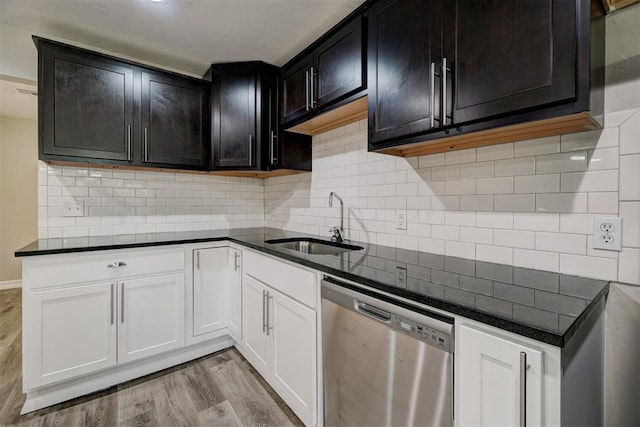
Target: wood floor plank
<point>221,389</point>
<point>220,415</point>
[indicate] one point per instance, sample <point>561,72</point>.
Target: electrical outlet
<point>401,277</point>
<point>401,219</point>
<point>73,209</point>
<point>607,234</point>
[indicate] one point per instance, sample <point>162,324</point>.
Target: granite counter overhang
<point>545,306</point>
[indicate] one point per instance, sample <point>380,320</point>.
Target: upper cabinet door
<point>403,62</point>
<point>234,136</point>
<point>507,56</point>
<point>175,117</point>
<point>296,90</point>
<point>339,64</point>
<point>86,105</point>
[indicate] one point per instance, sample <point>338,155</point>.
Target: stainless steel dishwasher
<point>385,364</point>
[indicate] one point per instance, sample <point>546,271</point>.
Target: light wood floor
<point>221,389</point>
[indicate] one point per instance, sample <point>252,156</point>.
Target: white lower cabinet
<point>498,380</point>
<point>151,316</point>
<point>280,336</point>
<point>234,293</point>
<point>71,332</point>
<point>210,268</point>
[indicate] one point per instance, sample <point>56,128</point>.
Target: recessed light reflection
<point>577,157</point>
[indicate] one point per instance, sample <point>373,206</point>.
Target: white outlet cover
<point>604,239</point>
<point>401,219</point>
<point>73,209</point>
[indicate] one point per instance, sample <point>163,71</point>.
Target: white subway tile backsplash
<point>502,185</point>
<point>576,182</point>
<point>514,238</point>
<point>495,152</point>
<point>476,170</point>
<point>537,260</point>
<point>459,249</point>
<point>499,220</point>
<point>460,218</point>
<point>476,235</point>
<point>463,186</point>
<point>517,166</point>
<point>629,266</point>
<point>603,203</point>
<point>515,202</point>
<point>536,221</point>
<point>576,223</point>
<point>460,156</point>
<point>562,202</point>
<point>597,268</point>
<point>563,243</point>
<point>630,177</point>
<point>561,162</point>
<point>533,147</point>
<point>607,137</point>
<point>603,158</point>
<point>630,214</point>
<point>630,135</point>
<point>441,173</point>
<point>549,183</point>
<point>476,203</point>
<point>495,254</point>
<point>445,232</point>
<point>431,160</point>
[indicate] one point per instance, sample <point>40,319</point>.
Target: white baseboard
<point>10,284</point>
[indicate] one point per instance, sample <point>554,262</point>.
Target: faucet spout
<point>331,196</point>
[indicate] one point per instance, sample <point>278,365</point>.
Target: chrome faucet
<point>337,232</point>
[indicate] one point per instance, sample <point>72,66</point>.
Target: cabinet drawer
<point>292,281</point>
<point>59,270</point>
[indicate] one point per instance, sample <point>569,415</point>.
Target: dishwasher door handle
<point>372,311</point>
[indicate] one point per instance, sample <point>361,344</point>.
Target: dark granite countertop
<point>545,306</point>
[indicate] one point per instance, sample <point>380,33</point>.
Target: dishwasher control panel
<point>421,332</point>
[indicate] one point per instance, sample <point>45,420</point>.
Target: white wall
<point>529,204</point>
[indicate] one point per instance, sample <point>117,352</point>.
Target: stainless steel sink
<point>314,246</point>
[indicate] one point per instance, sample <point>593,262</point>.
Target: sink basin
<point>314,246</point>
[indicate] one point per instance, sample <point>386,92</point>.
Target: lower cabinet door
<point>490,372</point>
<point>151,316</point>
<point>257,342</point>
<point>71,332</point>
<point>209,282</point>
<point>234,294</point>
<point>293,327</point>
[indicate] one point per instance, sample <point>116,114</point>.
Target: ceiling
<point>186,35</point>
<point>16,104</point>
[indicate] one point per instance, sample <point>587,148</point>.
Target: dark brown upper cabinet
<point>95,108</point>
<point>86,105</point>
<point>331,72</point>
<point>245,131</point>
<point>175,121</point>
<point>481,72</point>
<point>405,47</point>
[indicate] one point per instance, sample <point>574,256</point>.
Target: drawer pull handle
<point>117,264</point>
<point>122,302</point>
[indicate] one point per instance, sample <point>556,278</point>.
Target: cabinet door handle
<point>236,264</point>
<point>146,145</point>
<point>122,302</point>
<point>432,94</point>
<point>264,311</point>
<point>117,264</point>
<point>306,90</point>
<point>197,260</point>
<point>112,301</point>
<point>250,149</point>
<point>443,75</point>
<point>268,327</point>
<point>129,158</point>
<point>312,100</point>
<point>274,158</point>
<point>523,389</point>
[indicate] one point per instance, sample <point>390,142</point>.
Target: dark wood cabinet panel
<point>174,121</point>
<point>507,56</point>
<point>296,89</point>
<point>234,130</point>
<point>339,65</point>
<point>403,43</point>
<point>326,75</point>
<point>86,105</point>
